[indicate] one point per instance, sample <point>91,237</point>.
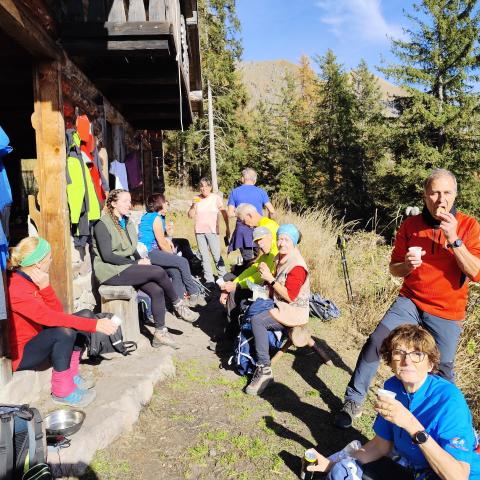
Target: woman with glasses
<point>422,417</point>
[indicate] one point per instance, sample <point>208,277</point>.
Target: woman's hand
<point>229,287</point>
<point>265,273</point>
<point>144,261</point>
<point>393,411</point>
<point>106,326</point>
<point>40,278</point>
<point>223,298</point>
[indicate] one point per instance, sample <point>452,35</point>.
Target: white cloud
<point>364,18</point>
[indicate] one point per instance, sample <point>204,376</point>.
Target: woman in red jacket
<point>40,330</point>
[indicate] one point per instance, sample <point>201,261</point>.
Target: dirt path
<point>201,425</point>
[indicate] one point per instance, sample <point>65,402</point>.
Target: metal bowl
<point>63,422</point>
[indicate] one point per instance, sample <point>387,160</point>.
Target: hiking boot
<point>261,379</point>
<point>345,416</point>
<point>196,300</point>
<point>78,398</point>
<point>83,383</point>
<point>185,313</point>
<point>162,337</point>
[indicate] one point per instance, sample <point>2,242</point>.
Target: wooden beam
<point>138,81</point>
<point>98,48</point>
<point>27,31</point>
<point>54,224</point>
<point>109,29</point>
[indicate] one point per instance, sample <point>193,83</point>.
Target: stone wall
<point>82,280</point>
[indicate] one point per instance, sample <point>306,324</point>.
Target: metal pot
<point>63,422</point>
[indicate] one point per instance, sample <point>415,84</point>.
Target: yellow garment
<point>252,273</point>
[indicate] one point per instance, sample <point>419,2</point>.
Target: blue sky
<point>353,29</point>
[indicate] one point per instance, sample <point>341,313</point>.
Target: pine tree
<point>438,123</point>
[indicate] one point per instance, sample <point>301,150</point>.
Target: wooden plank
<point>110,29</point>
<point>136,11</point>
<point>49,126</point>
<point>157,11</point>
<point>27,31</point>
<point>117,12</point>
<point>94,48</point>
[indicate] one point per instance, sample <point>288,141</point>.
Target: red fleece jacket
<point>438,286</point>
<point>33,309</point>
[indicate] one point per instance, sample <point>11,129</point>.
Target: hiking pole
<point>341,244</point>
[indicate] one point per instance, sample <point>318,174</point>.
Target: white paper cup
<point>220,282</point>
<point>116,320</point>
<point>417,251</point>
<point>385,393</point>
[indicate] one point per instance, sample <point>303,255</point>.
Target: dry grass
<point>373,287</point>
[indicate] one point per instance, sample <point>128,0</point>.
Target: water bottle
<point>309,458</point>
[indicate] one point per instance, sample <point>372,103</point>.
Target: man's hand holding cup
<point>413,258</point>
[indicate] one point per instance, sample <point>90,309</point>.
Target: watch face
<point>457,243</point>
<point>420,437</point>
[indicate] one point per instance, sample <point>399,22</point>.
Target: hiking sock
<point>74,362</point>
<point>62,383</point>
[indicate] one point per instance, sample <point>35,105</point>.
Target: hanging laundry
<point>119,171</point>
<point>88,151</point>
<point>134,170</point>
<point>5,200</point>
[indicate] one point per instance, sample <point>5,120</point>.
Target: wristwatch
<point>457,243</point>
<point>273,282</point>
<point>420,437</point>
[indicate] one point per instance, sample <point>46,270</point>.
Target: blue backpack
<point>243,358</point>
<point>323,308</point>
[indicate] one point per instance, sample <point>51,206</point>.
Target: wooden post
<point>211,133</point>
<point>54,223</point>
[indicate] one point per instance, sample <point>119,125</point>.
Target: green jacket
<point>252,273</point>
<point>121,245</point>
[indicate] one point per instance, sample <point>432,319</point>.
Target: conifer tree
<point>438,123</point>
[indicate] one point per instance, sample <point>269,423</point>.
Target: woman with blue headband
<point>290,291</point>
<point>34,306</point>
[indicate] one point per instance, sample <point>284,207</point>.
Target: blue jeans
<point>177,268</point>
<point>261,324</point>
<point>403,310</point>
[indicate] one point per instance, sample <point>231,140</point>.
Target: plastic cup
<point>220,282</point>
<point>385,393</point>
<point>417,251</point>
<point>116,320</point>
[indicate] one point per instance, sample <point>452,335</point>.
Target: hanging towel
<point>134,171</point>
<point>119,171</point>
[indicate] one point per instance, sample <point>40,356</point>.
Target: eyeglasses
<point>415,357</point>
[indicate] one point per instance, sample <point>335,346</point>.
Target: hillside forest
<point>325,136</point>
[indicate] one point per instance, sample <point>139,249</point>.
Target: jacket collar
<point>430,220</point>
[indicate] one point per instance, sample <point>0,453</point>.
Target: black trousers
<point>154,281</point>
<point>386,468</point>
<point>55,344</point>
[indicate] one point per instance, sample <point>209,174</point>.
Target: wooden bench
<point>122,301</point>
<point>300,337</point>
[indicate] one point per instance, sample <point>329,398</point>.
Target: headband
<point>290,230</point>
<point>41,251</point>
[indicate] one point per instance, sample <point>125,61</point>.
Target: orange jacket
<point>438,286</point>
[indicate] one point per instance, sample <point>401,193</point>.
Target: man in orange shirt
<point>435,284</point>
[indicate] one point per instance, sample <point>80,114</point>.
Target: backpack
<point>21,442</point>
<point>99,343</point>
<point>243,358</point>
<point>322,308</point>
<point>145,314</point>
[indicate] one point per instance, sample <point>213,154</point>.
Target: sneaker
<point>83,383</point>
<point>261,379</point>
<point>162,337</point>
<point>185,313</point>
<point>345,416</point>
<point>78,398</point>
<point>196,300</point>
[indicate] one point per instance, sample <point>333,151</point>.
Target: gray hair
<point>249,174</point>
<point>438,173</point>
<point>244,209</point>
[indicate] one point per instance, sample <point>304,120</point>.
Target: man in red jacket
<point>435,284</point>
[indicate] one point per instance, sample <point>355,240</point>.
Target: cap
<point>260,232</point>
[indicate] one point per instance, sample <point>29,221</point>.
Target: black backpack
<point>21,442</point>
<point>99,343</point>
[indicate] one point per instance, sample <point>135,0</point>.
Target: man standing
<point>435,286</point>
<point>249,193</point>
